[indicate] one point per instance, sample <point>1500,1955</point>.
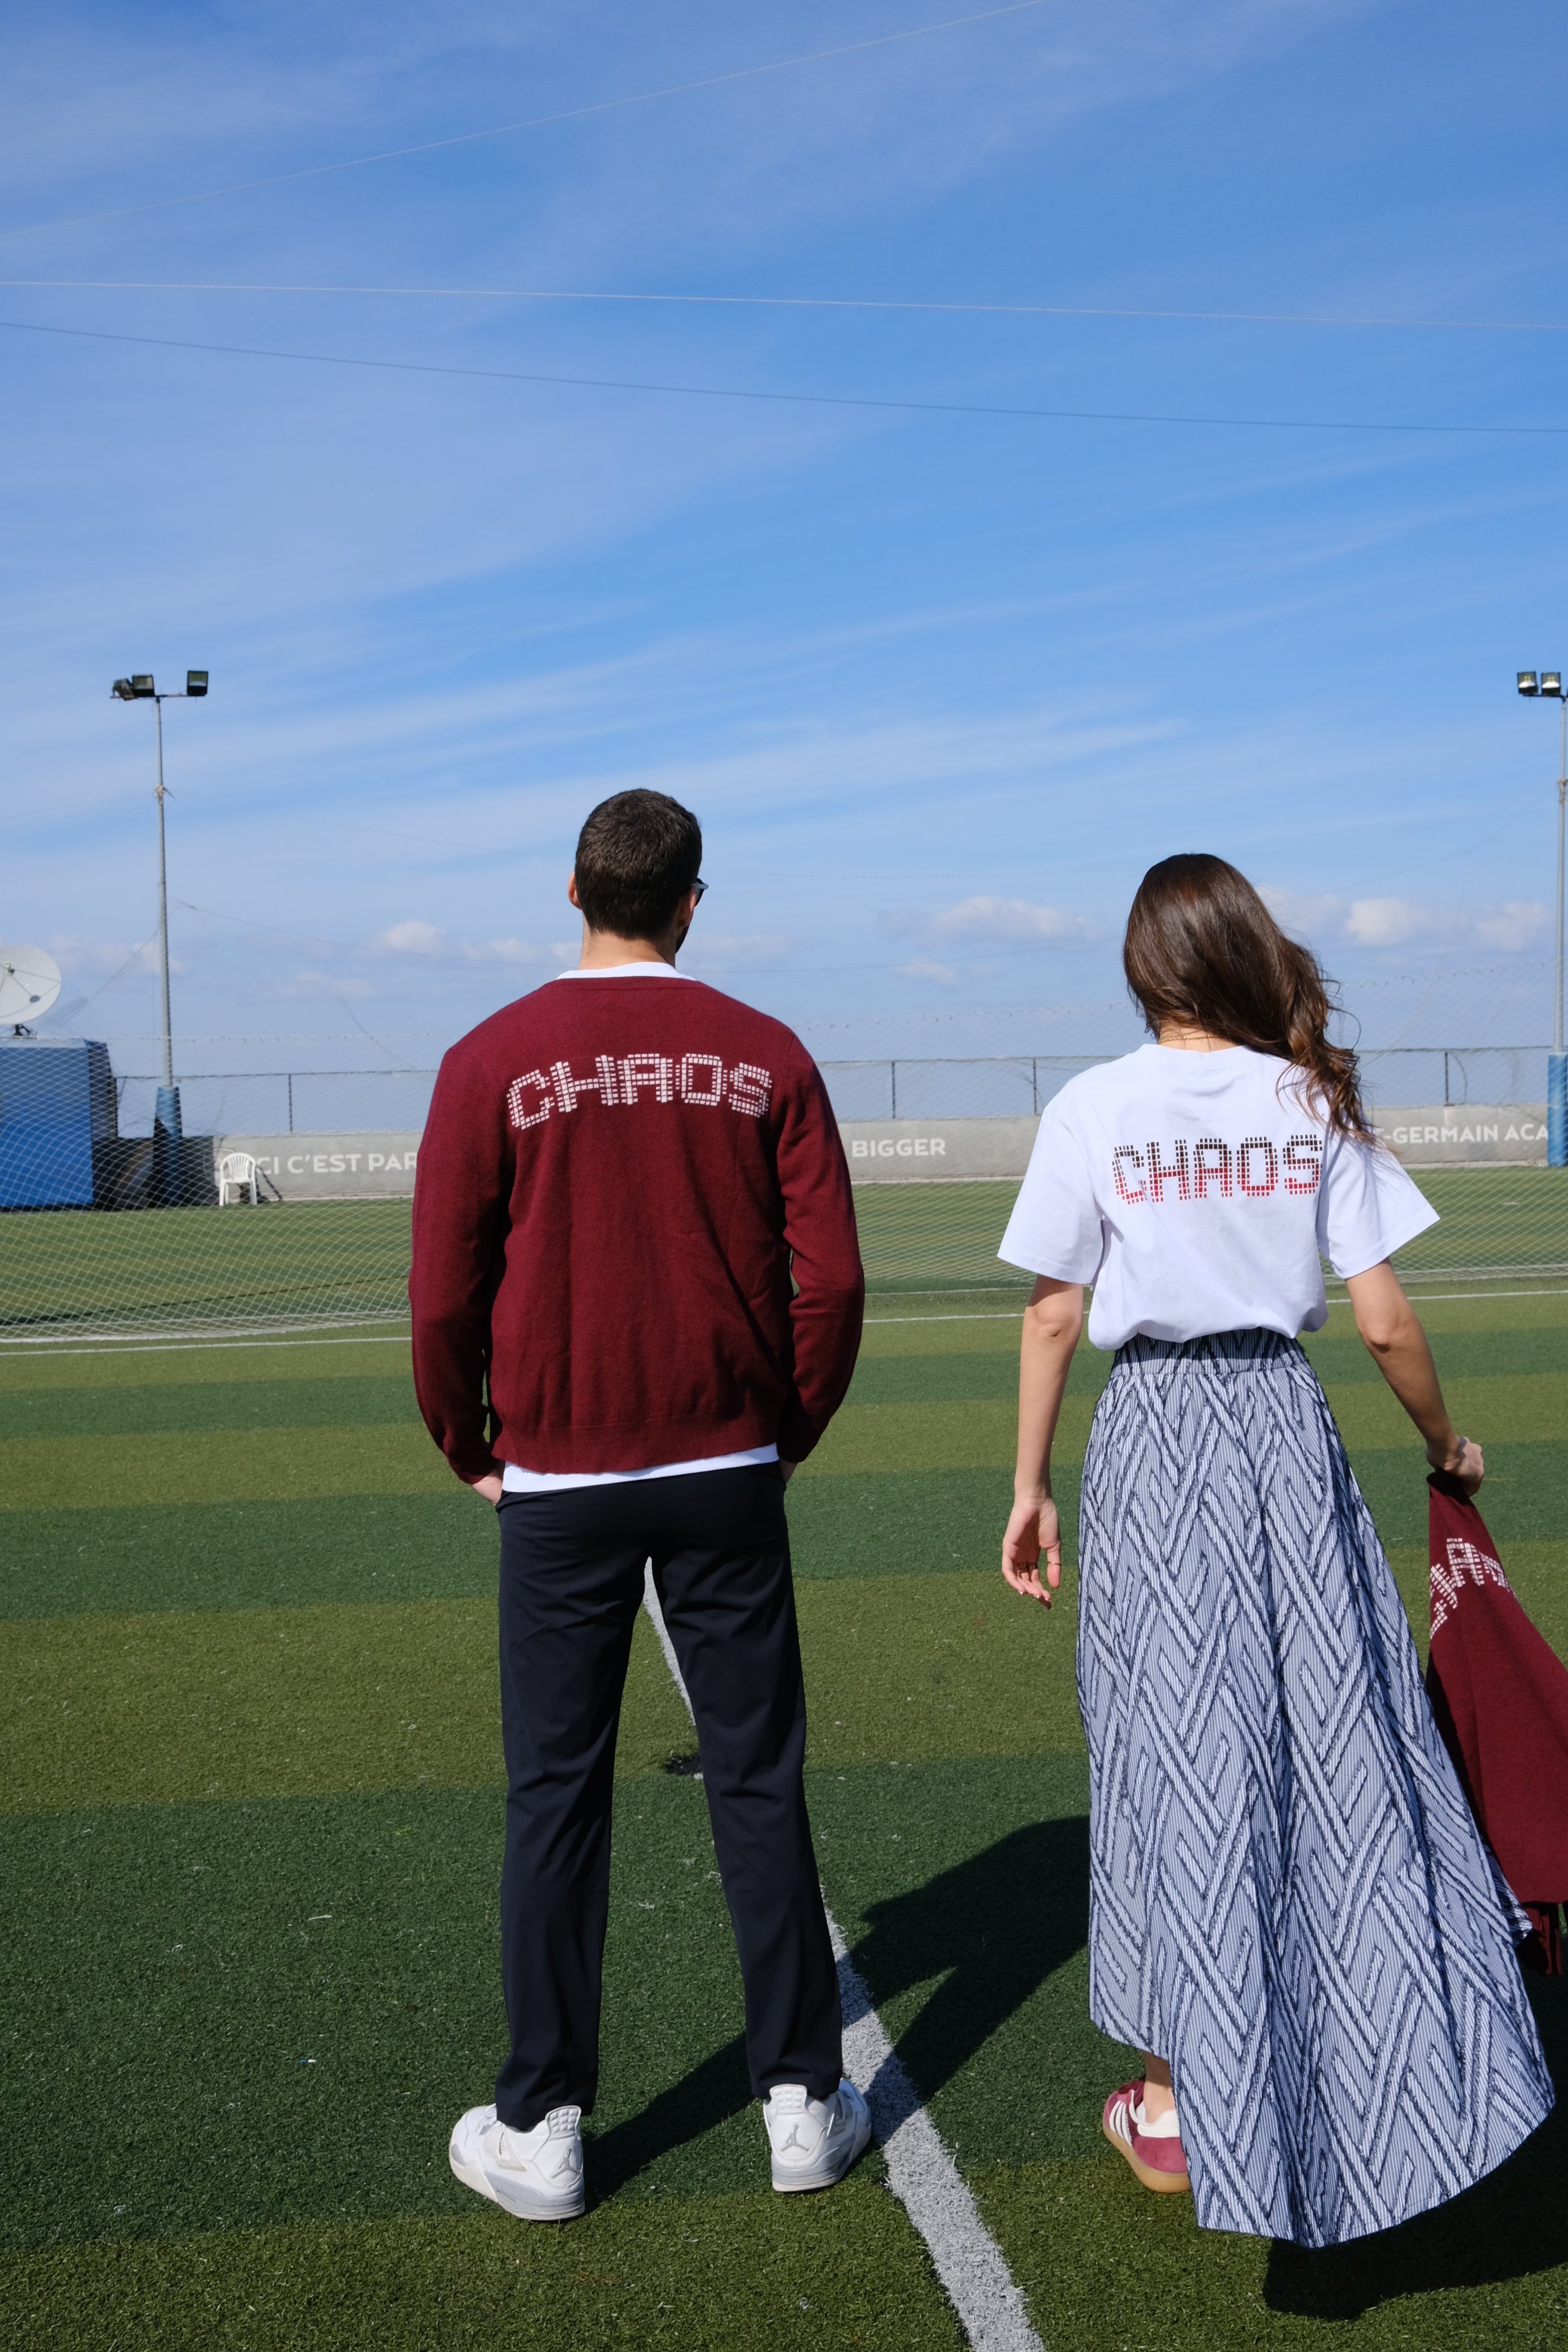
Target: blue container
<point>57,1100</point>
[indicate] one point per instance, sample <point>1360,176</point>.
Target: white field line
<point>22,1351</point>
<point>992,1315</point>
<point>922,2173</point>
<point>18,1349</point>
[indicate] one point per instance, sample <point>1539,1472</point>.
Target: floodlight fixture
<point>195,684</point>
<point>1527,682</point>
<point>142,687</point>
<point>1551,683</point>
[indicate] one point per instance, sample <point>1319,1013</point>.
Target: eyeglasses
<point>697,889</point>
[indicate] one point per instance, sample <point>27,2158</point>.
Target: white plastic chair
<point>235,1169</point>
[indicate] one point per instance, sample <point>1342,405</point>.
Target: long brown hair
<point>1202,947</point>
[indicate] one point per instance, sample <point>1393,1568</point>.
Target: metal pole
<point>164,909</point>
<point>1557,1068</point>
<point>1561,804</point>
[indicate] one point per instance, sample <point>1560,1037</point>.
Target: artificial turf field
<point>251,1829</point>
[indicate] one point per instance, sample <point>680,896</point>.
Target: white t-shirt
<point>1199,1192</point>
<point>514,1479</point>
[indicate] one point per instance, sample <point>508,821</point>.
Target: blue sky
<point>938,683</point>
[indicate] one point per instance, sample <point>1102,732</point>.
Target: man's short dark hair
<point>638,855</point>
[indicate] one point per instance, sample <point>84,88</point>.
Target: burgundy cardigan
<point>634,1236</point>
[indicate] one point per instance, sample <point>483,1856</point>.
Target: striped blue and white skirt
<point>1289,1900</point>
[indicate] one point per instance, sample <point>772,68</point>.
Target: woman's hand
<point>1461,1459</point>
<point>1391,1330</point>
<point>1033,1528</point>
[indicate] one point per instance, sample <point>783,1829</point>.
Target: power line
<point>799,399</point>
<point>803,302</point>
<point>530,122</point>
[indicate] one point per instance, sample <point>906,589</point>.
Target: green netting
<point>85,1271</point>
<point>73,1273</point>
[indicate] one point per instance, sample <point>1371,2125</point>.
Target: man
<point>619,1176</point>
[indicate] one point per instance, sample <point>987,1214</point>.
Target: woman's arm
<point>1052,1322</point>
<point>1392,1331</point>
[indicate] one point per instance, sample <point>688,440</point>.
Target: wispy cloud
<point>925,968</point>
<point>417,938</point>
<point>323,984</point>
<point>1397,922</point>
<point>1015,920</point>
<point>729,948</point>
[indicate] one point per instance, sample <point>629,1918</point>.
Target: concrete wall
<point>931,1151</point>
<point>328,1167</point>
<point>892,1151</point>
<point>906,1150</point>
<point>1467,1135</point>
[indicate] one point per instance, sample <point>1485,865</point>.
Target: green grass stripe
<point>726,2274</point>
<point>949,1437</point>
<point>1518,1409</point>
<point>441,1547</point>
<point>222,1704</point>
<point>274,2012</point>
<point>1341,1359</point>
<point>929,1667</point>
<point>274,1702</point>
<point>248,1555</point>
<point>899,1522</point>
<point>299,1401</point>
<point>964,1377</point>
<point>1525,1495</point>
<point>86,1473</point>
<point>181,1363</point>
<point>254,1463</point>
<point>1104,2263</point>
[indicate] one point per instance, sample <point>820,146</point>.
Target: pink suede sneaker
<point>1160,2164</point>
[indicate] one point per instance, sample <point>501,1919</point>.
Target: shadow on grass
<point>1508,2226</point>
<point>709,2095</point>
<point>993,1929</point>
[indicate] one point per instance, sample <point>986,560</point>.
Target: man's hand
<point>489,1487</point>
<point>1032,1529</point>
<point>787,1469</point>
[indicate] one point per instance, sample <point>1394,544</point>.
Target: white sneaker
<point>537,2174</point>
<point>815,2141</point>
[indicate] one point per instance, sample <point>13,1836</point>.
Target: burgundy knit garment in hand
<point>1499,1693</point>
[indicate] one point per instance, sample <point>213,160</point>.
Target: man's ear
<point>572,892</point>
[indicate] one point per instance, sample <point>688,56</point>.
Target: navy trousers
<point>571,1584</point>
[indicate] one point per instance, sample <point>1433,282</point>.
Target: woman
<point>1291,1912</point>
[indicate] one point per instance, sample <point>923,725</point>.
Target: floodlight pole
<point>1557,1068</point>
<point>163,910</point>
<point>140,687</point>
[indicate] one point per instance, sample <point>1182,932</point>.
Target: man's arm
<point>459,1205</point>
<point>830,1285</point>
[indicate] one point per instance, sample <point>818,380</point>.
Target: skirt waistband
<point>1237,1351</point>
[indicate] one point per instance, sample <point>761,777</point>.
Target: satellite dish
<point>29,984</point>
